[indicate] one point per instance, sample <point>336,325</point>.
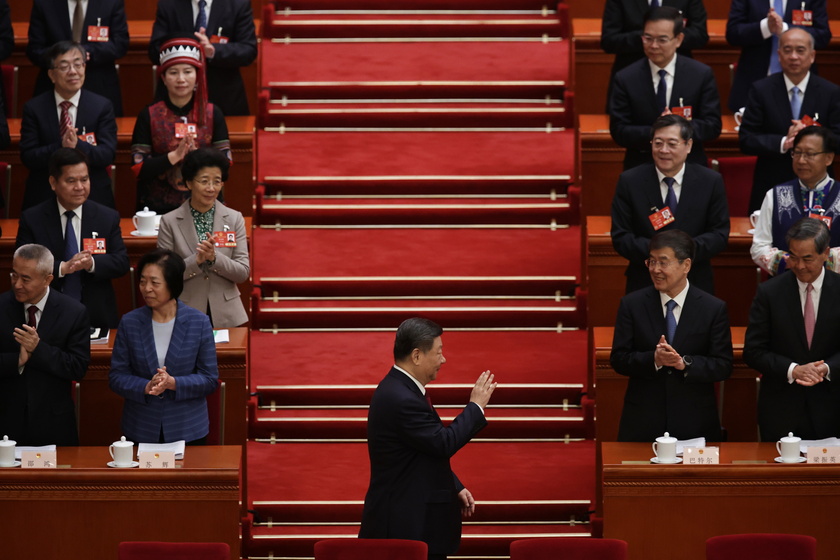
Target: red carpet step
<point>406,161</point>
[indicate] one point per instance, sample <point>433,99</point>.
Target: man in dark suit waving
<point>693,195</point>
<point>413,493</point>
<point>663,83</point>
<point>673,341</point>
<point>792,340</point>
<point>93,253</point>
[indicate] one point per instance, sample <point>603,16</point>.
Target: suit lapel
<point>88,221</point>
<point>52,227</point>
<point>781,99</point>
<point>656,316</point>
<point>50,317</point>
<point>652,190</point>
<point>61,8</point>
<point>186,226</point>
<point>185,15</point>
<point>218,18</point>
<point>793,309</point>
<point>824,312</point>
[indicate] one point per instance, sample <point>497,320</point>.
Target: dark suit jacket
<point>42,224</point>
<point>623,22</point>
<point>7,33</point>
<point>49,23</point>
<point>743,29</point>
<point>668,400</point>
<point>413,493</point>
<point>702,212</point>
<point>236,19</point>
<point>191,358</point>
<point>35,406</point>
<point>767,120</point>
<point>633,108</point>
<point>775,338</point>
<point>39,138</point>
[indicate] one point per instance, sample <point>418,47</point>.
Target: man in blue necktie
<point>672,341</point>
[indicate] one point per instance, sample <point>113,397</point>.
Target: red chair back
<point>173,551</point>
<point>370,549</point>
<point>761,546</point>
<point>737,175</point>
<point>571,548</point>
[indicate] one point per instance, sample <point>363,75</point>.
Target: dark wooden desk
<point>100,409</point>
<point>668,511</point>
<point>736,275</point>
<point>83,510</point>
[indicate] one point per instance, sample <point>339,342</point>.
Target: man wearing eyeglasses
<point>673,341</point>
<point>660,84</point>
<point>813,193</point>
<point>669,194</point>
<point>781,105</point>
<point>792,340</point>
<point>67,116</point>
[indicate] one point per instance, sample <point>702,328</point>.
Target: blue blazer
<point>191,359</point>
<point>39,138</point>
<point>743,29</point>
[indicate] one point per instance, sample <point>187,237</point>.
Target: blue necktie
<point>795,102</point>
<point>72,282</point>
<point>662,91</point>
<point>201,20</point>
<point>654,3</point>
<point>775,66</point>
<point>670,321</point>
<point>671,197</point>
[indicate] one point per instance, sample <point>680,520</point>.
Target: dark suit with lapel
<point>190,358</point>
<point>668,400</point>
<point>42,224</point>
<point>623,22</point>
<point>743,29</point>
<point>49,23</point>
<point>39,138</point>
<point>236,19</point>
<point>702,213</point>
<point>413,493</point>
<point>633,108</point>
<point>35,406</point>
<point>767,120</point>
<point>775,338</point>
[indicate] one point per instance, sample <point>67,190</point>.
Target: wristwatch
<point>687,361</point>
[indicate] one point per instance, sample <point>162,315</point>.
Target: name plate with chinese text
<point>701,456</point>
<point>38,460</point>
<point>827,455</point>
<point>157,459</point>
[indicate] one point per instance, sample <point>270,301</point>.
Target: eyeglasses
<point>65,67</point>
<point>663,264</point>
<point>672,144</point>
<point>807,156</point>
<point>217,183</point>
<point>661,40</point>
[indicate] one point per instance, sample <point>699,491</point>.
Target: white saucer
<point>15,464</point>
<point>798,460</point>
<point>137,233</point>
<point>131,466</point>
<point>658,461</point>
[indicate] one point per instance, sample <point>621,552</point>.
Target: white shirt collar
<point>678,176</point>
<point>74,100</point>
<point>803,85</point>
<point>670,68</point>
<point>420,385</point>
<point>77,210</point>
<point>40,304</point>
<point>679,298</point>
<point>816,283</point>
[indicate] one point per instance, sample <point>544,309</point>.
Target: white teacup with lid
<point>145,221</point>
<point>665,448</point>
<point>122,452</point>
<point>7,452</point>
<point>788,448</point>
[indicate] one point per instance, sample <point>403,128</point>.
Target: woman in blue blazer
<point>164,359</point>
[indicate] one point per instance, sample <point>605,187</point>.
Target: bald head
<point>796,53</point>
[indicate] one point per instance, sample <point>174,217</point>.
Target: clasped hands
<point>160,382</point>
<point>810,374</point>
<point>28,339</point>
<point>80,261</point>
<point>205,251</point>
<point>666,356</point>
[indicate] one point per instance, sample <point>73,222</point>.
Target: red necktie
<point>810,320</point>
<point>429,400</point>
<point>65,123</point>
<point>32,320</point>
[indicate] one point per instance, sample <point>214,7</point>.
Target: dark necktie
<point>429,400</point>
<point>810,319</point>
<point>671,196</point>
<point>72,282</point>
<point>670,320</point>
<point>654,3</point>
<point>32,319</point>
<point>662,91</point>
<point>78,22</point>
<point>201,20</point>
<point>65,123</point>
<point>775,65</point>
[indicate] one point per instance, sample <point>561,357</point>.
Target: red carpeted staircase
<point>418,161</point>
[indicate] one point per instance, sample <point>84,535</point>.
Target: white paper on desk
<point>19,449</point>
<point>220,336</point>
<point>176,446</point>
<point>696,442</point>
<point>827,442</point>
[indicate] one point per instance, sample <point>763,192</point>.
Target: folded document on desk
<point>696,442</point>
<point>827,442</point>
<point>176,446</point>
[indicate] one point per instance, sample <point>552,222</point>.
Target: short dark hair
<point>686,132</point>
<point>676,239</point>
<point>204,157</point>
<point>666,13</point>
<point>171,264</point>
<point>416,332</point>
<point>828,137</point>
<point>810,228</point>
<point>63,47</point>
<point>64,157</point>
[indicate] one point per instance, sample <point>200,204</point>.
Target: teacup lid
<point>666,438</point>
<point>790,438</point>
<point>123,443</point>
<point>6,441</point>
<point>145,213</point>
